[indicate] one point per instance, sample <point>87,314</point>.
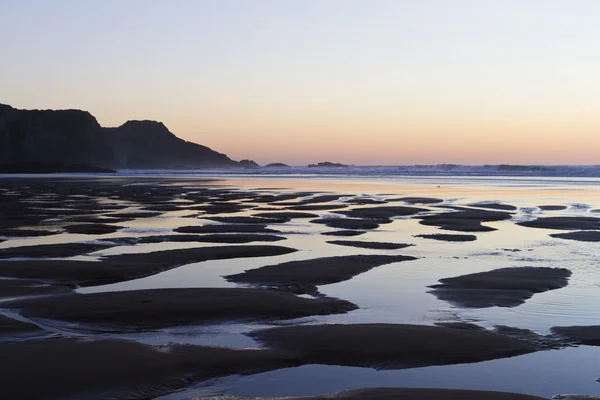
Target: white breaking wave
<point>584,171</point>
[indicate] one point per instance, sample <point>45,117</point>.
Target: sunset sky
<point>297,81</point>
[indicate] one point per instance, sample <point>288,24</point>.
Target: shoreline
<point>156,252</point>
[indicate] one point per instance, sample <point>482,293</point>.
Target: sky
<point>365,82</point>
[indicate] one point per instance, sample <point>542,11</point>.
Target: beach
<point>275,285</point>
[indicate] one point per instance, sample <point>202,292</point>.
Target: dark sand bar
<point>390,346</point>
<point>93,229</point>
<point>494,206</point>
<point>343,233</point>
<point>58,369</point>
<point>156,308</point>
<point>305,275</point>
<point>588,335</point>
<point>504,287</point>
<point>465,220</point>
<point>317,207</point>
<point>62,250</point>
<point>580,236</point>
<point>418,200</point>
<point>211,238</point>
<point>370,245</point>
<point>346,223</point>
<point>286,215</point>
<point>123,267</point>
<point>382,212</point>
<point>225,228</point>
<point>411,394</point>
<point>10,326</point>
<point>563,223</point>
<point>29,287</point>
<point>247,220</point>
<point>12,233</point>
<point>449,237</point>
<point>552,207</point>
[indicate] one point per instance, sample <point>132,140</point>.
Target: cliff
<point>75,137</point>
<point>149,144</point>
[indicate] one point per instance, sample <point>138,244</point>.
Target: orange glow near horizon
<point>301,81</point>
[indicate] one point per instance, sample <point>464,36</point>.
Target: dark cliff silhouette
<point>75,137</point>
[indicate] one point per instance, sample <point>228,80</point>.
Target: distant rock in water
<point>49,168</point>
<point>248,164</point>
<point>327,164</point>
<point>277,165</point>
<point>71,137</point>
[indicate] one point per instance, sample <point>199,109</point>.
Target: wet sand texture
<point>504,287</point>
<point>94,220</point>
<point>26,232</point>
<point>28,287</point>
<point>129,266</point>
<point>61,250</point>
<point>411,394</point>
<point>419,200</point>
<point>346,223</point>
<point>389,346</point>
<point>317,207</point>
<point>449,238</point>
<point>325,198</point>
<point>588,335</point>
<point>154,308</point>
<point>565,223</point>
<point>494,206</point>
<point>10,326</point>
<point>381,213</point>
<point>581,236</point>
<point>370,245</point>
<point>318,271</point>
<point>552,208</point>
<point>135,214</point>
<point>343,233</point>
<point>246,220</point>
<point>464,220</point>
<point>461,325</point>
<point>69,369</point>
<point>92,229</point>
<point>230,228</point>
<point>286,215</point>
<point>211,238</point>
<point>220,208</point>
<point>365,200</point>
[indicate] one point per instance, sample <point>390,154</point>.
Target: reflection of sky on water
<point>397,293</point>
<point>543,374</point>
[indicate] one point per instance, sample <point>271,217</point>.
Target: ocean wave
<point>584,171</point>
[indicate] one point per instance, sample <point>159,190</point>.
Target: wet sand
<point>61,235</point>
<point>465,220</point>
<point>149,309</point>
<point>504,287</point>
<point>411,394</point>
<point>370,245</point>
<point>69,368</point>
<point>390,346</point>
<point>588,335</point>
<point>449,237</point>
<point>303,276</point>
<point>10,326</point>
<point>123,267</point>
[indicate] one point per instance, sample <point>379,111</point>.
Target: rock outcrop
<point>75,137</point>
<point>327,164</point>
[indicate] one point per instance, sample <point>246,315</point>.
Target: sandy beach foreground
<point>140,288</point>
